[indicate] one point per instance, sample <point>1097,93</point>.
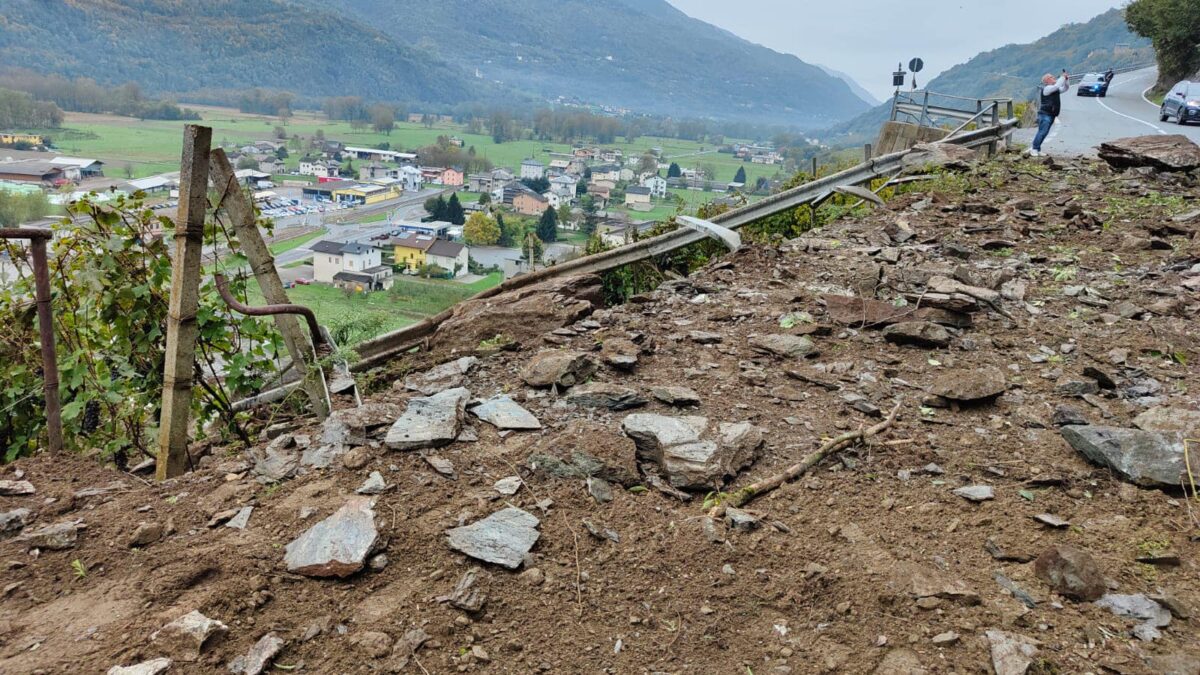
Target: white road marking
<point>1129,117</point>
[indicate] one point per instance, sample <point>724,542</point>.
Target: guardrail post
<point>924,109</point>
<point>814,167</point>
<point>182,327</point>
<point>868,152</point>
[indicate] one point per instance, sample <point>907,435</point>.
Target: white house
<point>320,168</point>
<point>637,196</point>
<point>606,172</point>
<point>449,256</point>
<point>356,266</point>
<point>554,198</point>
<point>532,169</point>
<point>563,186</point>
<point>657,185</point>
<point>410,176</point>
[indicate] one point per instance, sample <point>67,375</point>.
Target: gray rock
<point>1071,572</point>
<point>599,489</point>
<point>373,485</point>
<point>504,413</point>
<point>378,563</point>
<point>183,639</point>
<point>467,595</point>
<point>687,459</point>
<point>440,378</point>
<point>242,519</point>
<point>429,422</point>
<point>605,395</point>
<point>1142,457</point>
<point>508,485</point>
<point>1067,416</point>
<point>357,458</point>
<point>741,520</point>
<point>676,396</point>
<point>783,345</point>
<point>322,456</point>
<point>12,521</point>
<point>56,537</point>
<point>337,546</point>
<point>1174,152</point>
<point>1137,607</point>
<point>702,337</point>
<point>502,538</point>
<point>442,466</point>
<point>1012,654</point>
<point>1077,388</point>
<point>151,667</point>
<point>917,333</point>
<point>558,368</point>
<point>146,534</point>
<point>976,493</point>
<point>1178,423</point>
<point>16,488</point>
<point>974,384</point>
<point>259,657</point>
<point>587,448</point>
<point>620,353</point>
<point>354,426</point>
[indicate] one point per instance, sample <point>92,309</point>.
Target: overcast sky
<point>866,38</point>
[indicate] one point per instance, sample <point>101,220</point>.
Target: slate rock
<point>354,426</point>
<point>605,395</point>
<point>1071,572</point>
<point>917,333</point>
<point>560,368</point>
<point>373,485</point>
<point>502,538</point>
<point>151,667</point>
<point>976,493</point>
<point>146,534</point>
<point>12,521</point>
<point>429,422</point>
<point>1179,423</point>
<point>975,384</point>
<point>783,345</point>
<point>599,489</point>
<point>854,311</point>
<point>448,375</point>
<point>467,595</point>
<point>184,638</point>
<point>259,657</point>
<point>742,520</point>
<point>1138,606</point>
<point>586,448</point>
<point>442,466</point>
<point>278,460</point>
<point>16,488</point>
<point>1174,152</point>
<point>676,396</point>
<point>687,459</point>
<point>900,662</point>
<point>504,413</point>
<point>1141,457</point>
<point>620,353</point>
<point>702,337</point>
<point>1012,654</point>
<point>56,537</point>
<point>337,546</point>
<point>241,519</point>
<point>1067,416</point>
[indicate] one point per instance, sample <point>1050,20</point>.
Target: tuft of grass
<point>78,568</point>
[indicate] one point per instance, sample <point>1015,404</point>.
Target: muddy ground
<point>837,574</point>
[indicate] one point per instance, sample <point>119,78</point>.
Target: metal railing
<point>378,350</point>
<point>923,107</point>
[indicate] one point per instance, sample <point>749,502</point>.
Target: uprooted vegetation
<point>551,485</point>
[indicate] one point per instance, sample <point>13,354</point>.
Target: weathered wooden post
<point>262,263</point>
<point>182,328</point>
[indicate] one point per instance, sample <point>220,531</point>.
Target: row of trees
<point>20,207</point>
<point>85,95</point>
<point>266,102</point>
<point>1173,27</point>
<point>442,153</point>
<point>380,117</point>
<point>19,110</point>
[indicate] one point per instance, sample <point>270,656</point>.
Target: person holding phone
<point>1049,107</point>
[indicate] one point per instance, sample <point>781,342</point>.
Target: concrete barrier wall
<point>899,136</point>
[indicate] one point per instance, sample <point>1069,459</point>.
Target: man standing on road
<point>1049,107</point>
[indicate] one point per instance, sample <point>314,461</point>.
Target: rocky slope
<point>551,500</point>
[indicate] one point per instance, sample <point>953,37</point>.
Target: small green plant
<point>78,568</point>
<point>1065,274</point>
<point>495,344</point>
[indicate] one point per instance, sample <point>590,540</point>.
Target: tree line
<point>19,110</point>
<point>1173,27</point>
<point>86,95</point>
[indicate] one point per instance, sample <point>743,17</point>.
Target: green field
<point>154,146</point>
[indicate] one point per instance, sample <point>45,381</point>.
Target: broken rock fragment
<point>605,395</point>
<point>15,488</point>
<point>184,638</point>
<point>429,422</point>
<point>783,345</point>
<point>337,546</point>
<point>917,333</point>
<point>56,537</point>
<point>502,538</point>
<point>688,459</point>
<point>620,353</point>
<point>676,396</point>
<point>586,448</point>
<point>504,413</point>
<point>1012,654</point>
<point>12,521</point>
<point>976,384</point>
<point>259,657</point>
<point>151,667</point>
<point>440,378</point>
<point>558,368</point>
<point>1141,457</point>
<point>1071,572</point>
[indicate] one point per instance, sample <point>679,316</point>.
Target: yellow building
<point>411,249</point>
<point>366,193</point>
<point>12,138</point>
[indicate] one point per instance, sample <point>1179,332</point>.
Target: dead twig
<point>759,488</point>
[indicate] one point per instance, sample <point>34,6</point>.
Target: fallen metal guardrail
<point>924,106</point>
<point>41,289</point>
<point>378,350</point>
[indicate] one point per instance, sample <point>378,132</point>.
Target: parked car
<point>1182,103</point>
<point>1093,84</point>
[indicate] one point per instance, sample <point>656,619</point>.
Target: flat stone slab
<point>562,368</point>
<point>676,396</point>
<point>783,345</point>
<point>688,458</point>
<point>242,519</point>
<point>1012,654</point>
<point>976,493</point>
<point>1174,152</point>
<point>1141,457</point>
<point>151,667</point>
<point>56,537</point>
<point>605,395</point>
<point>429,422</point>
<point>13,521</point>
<point>337,546</point>
<point>440,378</point>
<point>15,488</point>
<point>259,657</point>
<point>1178,422</point>
<point>504,413</point>
<point>502,538</point>
<point>917,333</point>
<point>975,384</point>
<point>184,638</point>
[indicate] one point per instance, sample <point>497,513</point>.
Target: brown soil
<point>825,585</point>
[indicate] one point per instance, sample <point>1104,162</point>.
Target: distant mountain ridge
<point>859,91</point>
<point>1012,71</point>
<point>643,55</point>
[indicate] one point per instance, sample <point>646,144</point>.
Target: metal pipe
<point>318,339</point>
<point>41,285</point>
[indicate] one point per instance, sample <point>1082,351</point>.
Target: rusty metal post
<point>182,328</point>
<point>41,285</point>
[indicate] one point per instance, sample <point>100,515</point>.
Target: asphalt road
<point>1086,122</point>
<point>409,208</point>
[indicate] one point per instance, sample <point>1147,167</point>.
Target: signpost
<point>916,65</point>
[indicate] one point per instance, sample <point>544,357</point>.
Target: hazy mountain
<point>1013,71</point>
<point>859,91</point>
<point>172,46</point>
<point>639,54</point>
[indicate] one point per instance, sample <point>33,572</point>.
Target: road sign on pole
<point>916,65</point>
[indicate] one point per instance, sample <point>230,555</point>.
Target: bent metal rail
<point>378,350</point>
